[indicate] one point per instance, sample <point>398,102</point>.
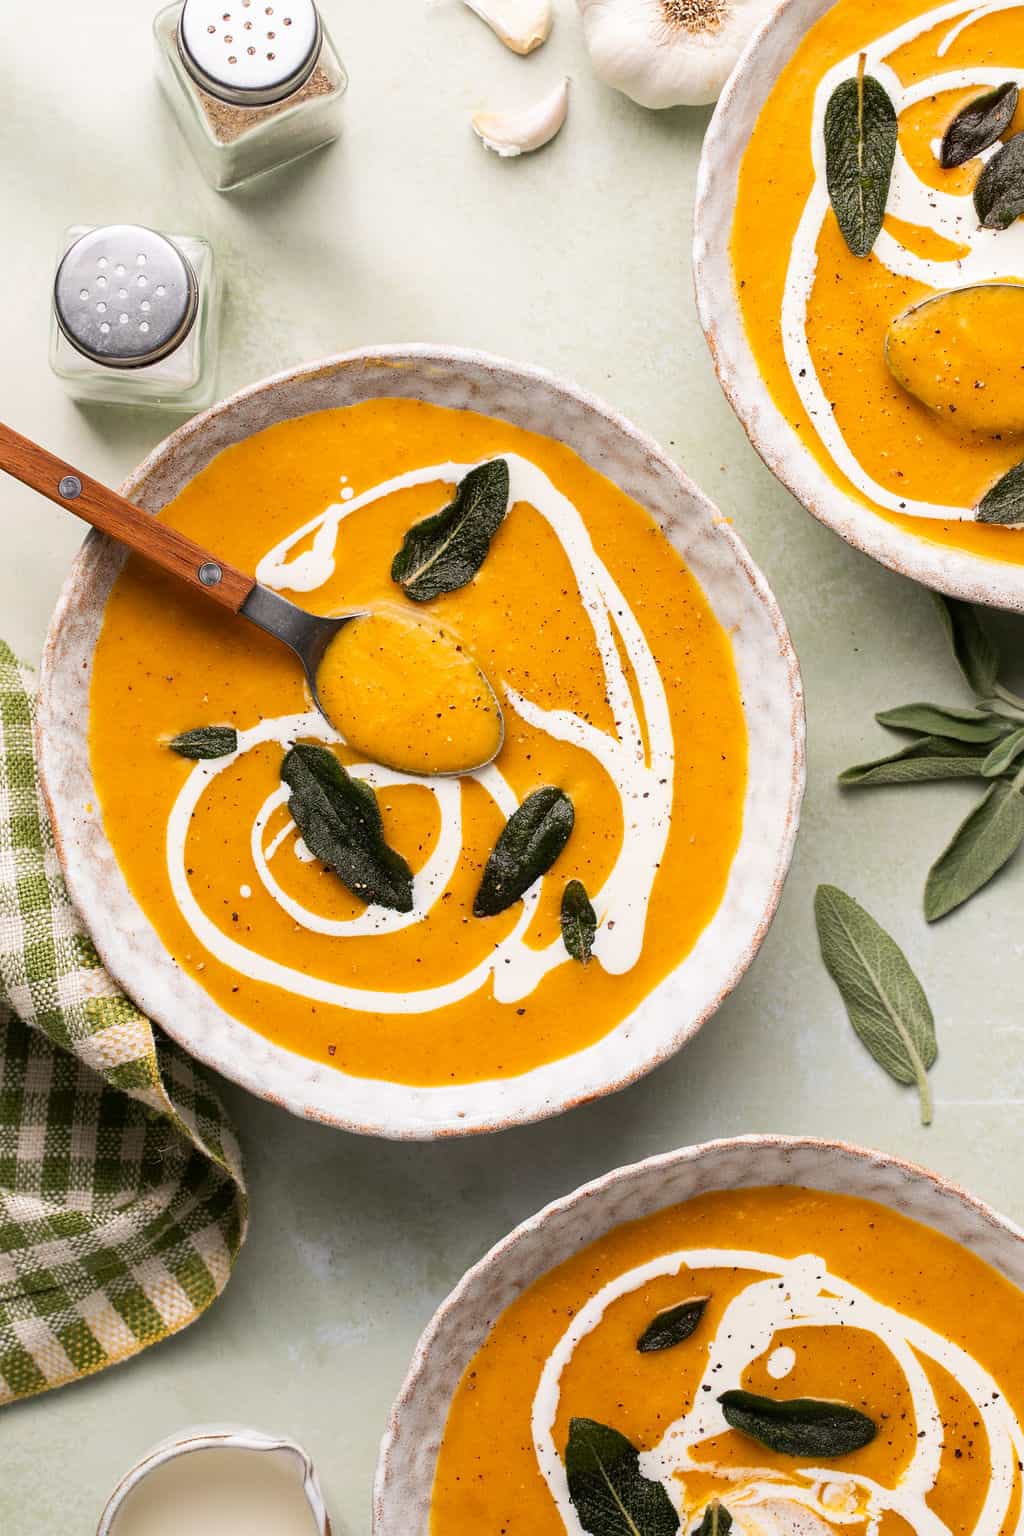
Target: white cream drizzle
<point>991,254</point>
<point>643,777</point>
<point>788,1294</point>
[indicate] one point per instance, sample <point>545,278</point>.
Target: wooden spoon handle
<point>114,515</point>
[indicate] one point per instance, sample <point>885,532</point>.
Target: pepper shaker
<point>134,317</point>
<point>254,84</point>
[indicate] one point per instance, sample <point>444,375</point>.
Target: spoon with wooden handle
<point>308,635</point>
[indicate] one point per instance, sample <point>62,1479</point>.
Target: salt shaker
<point>134,317</point>
<point>253,83</point>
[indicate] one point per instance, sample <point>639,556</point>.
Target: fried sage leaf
<point>979,848</point>
<point>1004,503</point>
<point>799,1426</point>
<point>207,741</point>
<point>978,125</point>
<point>971,725</point>
<point>672,1326</point>
<point>926,760</point>
<point>883,997</point>
<point>579,922</point>
<point>999,192</point>
<point>860,150</point>
<point>340,822</point>
<point>610,1494</point>
<point>717,1521</point>
<point>1004,754</point>
<point>530,842</point>
<point>444,552</point>
<point>976,655</point>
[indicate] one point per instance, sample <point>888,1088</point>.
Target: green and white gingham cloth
<point>122,1202</point>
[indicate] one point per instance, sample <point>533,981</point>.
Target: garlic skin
<point>522,25</point>
<point>520,130</point>
<point>669,53</point>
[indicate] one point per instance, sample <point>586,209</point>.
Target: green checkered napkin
<point>122,1205</point>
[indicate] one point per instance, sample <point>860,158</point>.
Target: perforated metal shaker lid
<point>250,52</point>
<point>125,296</point>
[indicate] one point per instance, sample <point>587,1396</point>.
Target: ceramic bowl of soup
<point>800,328</point>
<point>814,1336</point>
<point>631,863</point>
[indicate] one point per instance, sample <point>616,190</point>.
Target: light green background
<point>578,259</point>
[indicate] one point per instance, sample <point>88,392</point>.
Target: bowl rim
<point>409,1125</point>
<point>944,568</point>
<point>495,1256</point>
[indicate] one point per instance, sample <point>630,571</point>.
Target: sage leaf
<point>530,842</point>
<point>883,997</point>
<point>717,1521</point>
<point>610,1494</point>
<point>999,191</point>
<point>976,654</point>
<point>799,1426</point>
<point>937,720</point>
<point>340,822</point>
<point>926,760</point>
<point>1004,503</point>
<point>444,552</point>
<point>579,922</point>
<point>860,150</point>
<point>672,1326</point>
<point>1004,754</point>
<point>208,741</point>
<point>979,848</point>
<point>978,125</point>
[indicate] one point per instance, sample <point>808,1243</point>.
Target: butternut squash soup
<point>777,1361</point>
<point>422,929</point>
<point>927,440</point>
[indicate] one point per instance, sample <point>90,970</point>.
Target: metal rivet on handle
<point>70,487</point>
<point>210,574</point>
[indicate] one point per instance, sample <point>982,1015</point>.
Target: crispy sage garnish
<point>883,997</point>
<point>579,922</point>
<point>967,725</point>
<point>999,192</point>
<point>978,125</point>
<point>444,552</point>
<point>340,822</point>
<point>860,151</point>
<point>672,1326</point>
<point>610,1494</point>
<point>207,741</point>
<point>979,848</point>
<point>1004,503</point>
<point>929,759</point>
<point>799,1426</point>
<point>976,655</point>
<point>530,842</point>
<point>717,1521</point>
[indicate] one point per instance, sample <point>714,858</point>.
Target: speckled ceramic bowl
<point>955,571</point>
<point>769,684</point>
<point>408,1454</point>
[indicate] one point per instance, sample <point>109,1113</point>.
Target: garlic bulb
<point>522,25</point>
<point>522,129</point>
<point>669,53</point>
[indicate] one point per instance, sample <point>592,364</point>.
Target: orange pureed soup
<point>817,316</point>
<point>794,1295</point>
<point>618,688</point>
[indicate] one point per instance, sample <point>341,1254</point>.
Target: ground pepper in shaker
<point>134,317</point>
<point>254,83</point>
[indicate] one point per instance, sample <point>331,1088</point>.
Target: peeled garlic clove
<point>958,352</point>
<point>669,53</point>
<point>522,129</point>
<point>522,25</point>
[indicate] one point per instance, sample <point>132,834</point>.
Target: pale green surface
<point>576,259</point>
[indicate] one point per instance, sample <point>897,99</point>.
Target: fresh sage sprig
<point>799,1426</point>
<point>978,849</point>
<point>999,191</point>
<point>207,741</point>
<point>340,822</point>
<point>1004,503</point>
<point>610,1494</point>
<point>529,844</point>
<point>717,1521</point>
<point>884,999</point>
<point>672,1326</point>
<point>978,125</point>
<point>579,922</point>
<point>860,151</point>
<point>971,725</point>
<point>444,552</point>
<point>924,761</point>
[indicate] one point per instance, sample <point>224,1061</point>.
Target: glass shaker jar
<point>253,83</point>
<point>134,317</point>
